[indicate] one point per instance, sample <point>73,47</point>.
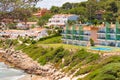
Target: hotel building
<point>35,33</point>
<point>61,19</point>
<point>79,35</point>
<point>106,34</point>
<point>109,35</point>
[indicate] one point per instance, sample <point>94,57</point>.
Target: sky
<point>49,3</point>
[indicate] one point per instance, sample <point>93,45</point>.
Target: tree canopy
<point>92,10</point>
<point>9,5</point>
<point>44,19</point>
<point>15,9</point>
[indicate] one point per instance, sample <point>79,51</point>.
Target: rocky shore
<point>20,60</point>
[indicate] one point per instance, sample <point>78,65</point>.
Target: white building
<point>36,33</point>
<point>61,19</point>
<point>22,25</point>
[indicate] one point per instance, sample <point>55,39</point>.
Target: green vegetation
<point>55,55</point>
<point>44,19</point>
<point>92,10</point>
<point>70,58</point>
<point>50,40</point>
<point>92,42</point>
<point>16,10</point>
<point>7,43</point>
<point>107,69</point>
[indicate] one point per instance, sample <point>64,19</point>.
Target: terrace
<point>110,30</point>
<point>117,31</point>
<point>101,37</point>
<point>110,37</point>
<point>118,37</point>
<point>102,30</point>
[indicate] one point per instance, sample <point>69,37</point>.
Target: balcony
<point>76,32</point>
<point>101,31</point>
<point>102,44</point>
<point>77,38</point>
<point>84,39</point>
<point>111,39</point>
<point>63,32</point>
<point>63,37</point>
<point>118,32</point>
<point>111,44</point>
<point>110,30</point>
<point>69,38</point>
<point>88,34</point>
<point>118,37</point>
<point>68,32</point>
<point>83,33</point>
<point>101,38</point>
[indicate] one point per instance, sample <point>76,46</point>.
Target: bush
<point>92,42</point>
<point>42,60</point>
<point>67,61</point>
<point>107,68</point>
<point>48,37</point>
<point>85,70</point>
<point>107,72</point>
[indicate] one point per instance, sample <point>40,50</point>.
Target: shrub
<point>107,72</point>
<point>84,70</point>
<point>92,42</point>
<point>42,60</point>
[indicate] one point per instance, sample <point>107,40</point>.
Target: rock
<point>24,62</point>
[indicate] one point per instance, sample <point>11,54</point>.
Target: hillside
<point>72,60</point>
<point>92,10</point>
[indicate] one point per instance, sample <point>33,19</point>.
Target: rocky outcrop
<point>22,61</point>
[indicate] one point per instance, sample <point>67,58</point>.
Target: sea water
<point>7,73</point>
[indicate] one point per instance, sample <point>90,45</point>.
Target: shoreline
<point>15,66</point>
<point>26,76</point>
<point>19,60</point>
<point>34,77</point>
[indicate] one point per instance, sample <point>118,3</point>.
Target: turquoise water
<point>7,73</point>
<point>102,49</point>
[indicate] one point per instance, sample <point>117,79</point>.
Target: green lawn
<point>66,46</point>
<point>52,40</point>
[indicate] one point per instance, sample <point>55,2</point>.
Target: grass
<point>54,53</point>
<point>106,69</point>
<point>108,72</point>
<point>52,50</point>
<point>84,70</point>
<point>66,46</point>
<point>53,40</point>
